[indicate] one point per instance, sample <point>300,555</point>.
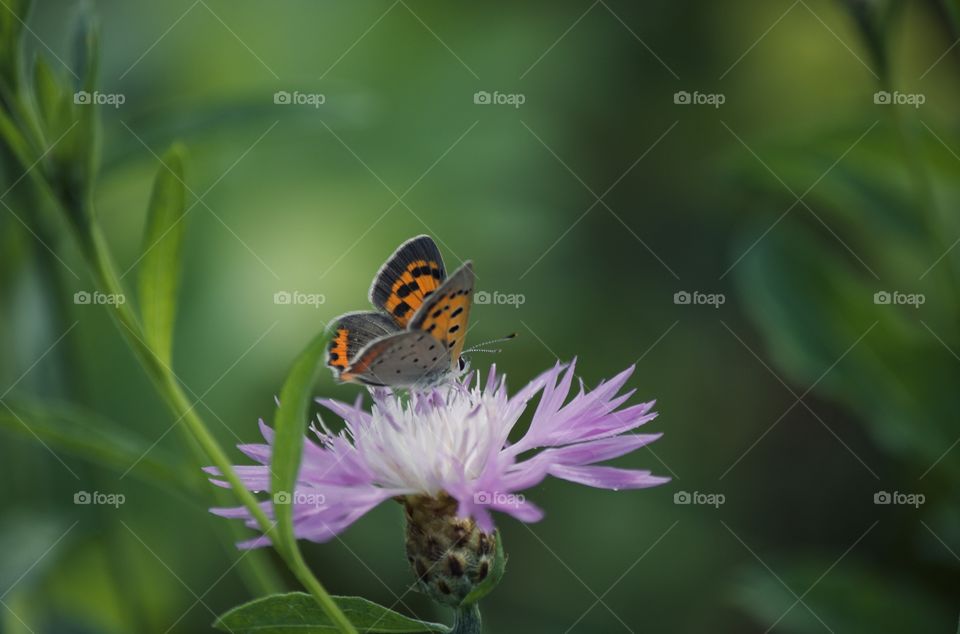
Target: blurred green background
<point>798,399</point>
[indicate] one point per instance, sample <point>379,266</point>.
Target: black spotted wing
<point>408,278</point>
<point>446,314</point>
<point>352,333</point>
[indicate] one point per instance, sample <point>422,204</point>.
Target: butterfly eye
<point>463,364</point>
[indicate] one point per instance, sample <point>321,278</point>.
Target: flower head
<point>451,444</point>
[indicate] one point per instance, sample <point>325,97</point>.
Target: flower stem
<point>467,620</point>
<point>22,134</point>
<point>197,437</point>
<point>97,254</point>
<point>167,385</point>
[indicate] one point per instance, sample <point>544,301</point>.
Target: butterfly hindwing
<point>352,333</point>
<point>403,359</point>
<point>408,278</point>
<point>445,314</point>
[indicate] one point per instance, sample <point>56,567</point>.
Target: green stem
<point>78,214</point>
<point>935,221</point>
<point>198,437</point>
<point>952,9</point>
<point>168,386</point>
<point>467,620</point>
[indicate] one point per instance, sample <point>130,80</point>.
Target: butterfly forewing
<point>408,278</point>
<point>446,312</point>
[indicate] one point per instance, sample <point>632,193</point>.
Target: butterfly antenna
<point>480,346</point>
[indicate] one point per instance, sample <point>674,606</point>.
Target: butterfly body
<point>415,336</point>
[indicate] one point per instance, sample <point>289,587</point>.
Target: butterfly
<point>416,334</point>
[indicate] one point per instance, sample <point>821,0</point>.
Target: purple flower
<point>451,442</point>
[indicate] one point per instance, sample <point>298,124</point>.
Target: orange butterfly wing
<point>446,314</point>
<point>409,276</point>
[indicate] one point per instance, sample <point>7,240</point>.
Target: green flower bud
<point>455,562</point>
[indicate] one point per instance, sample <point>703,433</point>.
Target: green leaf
<point>299,613</point>
<point>13,139</point>
<point>86,49</point>
<point>78,153</point>
<point>896,373</point>
<point>49,94</point>
<point>852,598</point>
<point>496,574</point>
<point>69,430</point>
<point>809,284</point>
<point>162,244</point>
<point>290,426</point>
<point>13,14</point>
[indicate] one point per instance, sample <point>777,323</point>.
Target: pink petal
<point>596,450</point>
<point>607,477</point>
